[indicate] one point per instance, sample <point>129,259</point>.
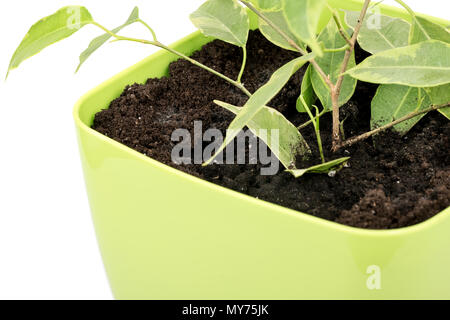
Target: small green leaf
<point>440,95</point>
<point>223,19</point>
<point>334,165</point>
<point>331,64</point>
<point>288,142</point>
<point>445,112</point>
<point>51,29</point>
<point>423,30</point>
<point>307,91</point>
<point>425,64</point>
<point>261,98</point>
<point>267,5</point>
<point>99,41</point>
<point>389,34</point>
<point>392,101</point>
<point>277,17</point>
<point>302,17</point>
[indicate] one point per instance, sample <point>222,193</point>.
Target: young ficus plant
<point>409,61</point>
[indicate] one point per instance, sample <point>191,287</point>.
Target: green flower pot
<point>164,234</point>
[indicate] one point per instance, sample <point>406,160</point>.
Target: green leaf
<point>302,17</point>
<point>445,112</point>
<point>440,95</point>
<point>267,5</point>
<point>334,165</point>
<point>223,19</point>
<point>51,29</point>
<point>101,40</point>
<point>286,145</point>
<point>277,17</point>
<point>307,91</point>
<point>391,33</point>
<point>392,102</point>
<point>423,30</point>
<point>331,64</point>
<point>261,98</point>
<point>425,64</point>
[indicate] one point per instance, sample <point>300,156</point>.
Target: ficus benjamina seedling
<point>410,62</point>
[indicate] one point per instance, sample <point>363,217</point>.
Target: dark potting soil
<point>393,183</point>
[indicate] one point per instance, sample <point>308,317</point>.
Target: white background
<point>48,248</point>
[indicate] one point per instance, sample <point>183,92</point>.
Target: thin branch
<point>149,28</point>
<point>244,62</point>
<point>343,35</point>
<point>366,135</point>
<point>406,7</point>
<point>307,123</point>
<point>291,42</point>
<point>336,91</point>
<point>181,55</point>
<point>337,49</point>
<point>341,29</point>
<point>350,50</point>
<point>315,122</point>
<point>195,62</point>
<point>413,16</point>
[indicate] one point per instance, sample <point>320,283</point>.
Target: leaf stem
<point>149,28</point>
<point>413,16</point>
<point>181,55</point>
<point>336,90</point>
<point>337,49</point>
<point>244,62</point>
<point>307,123</point>
<point>341,128</point>
<point>366,135</point>
<point>337,20</point>
<point>407,8</point>
<point>291,42</point>
<point>315,122</point>
<point>195,62</point>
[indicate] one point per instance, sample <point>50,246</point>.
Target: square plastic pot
<point>166,235</point>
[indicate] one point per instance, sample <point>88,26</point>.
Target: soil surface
<point>395,182</point>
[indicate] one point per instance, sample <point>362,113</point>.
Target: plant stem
<point>244,62</point>
<point>149,28</point>
<point>336,90</point>
<point>315,122</point>
<point>407,8</point>
<point>366,135</point>
<point>413,16</point>
<point>337,20</point>
<point>181,55</point>
<point>336,137</point>
<point>231,81</point>
<point>337,49</point>
<point>307,123</point>
<point>291,42</point>
<point>341,128</point>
